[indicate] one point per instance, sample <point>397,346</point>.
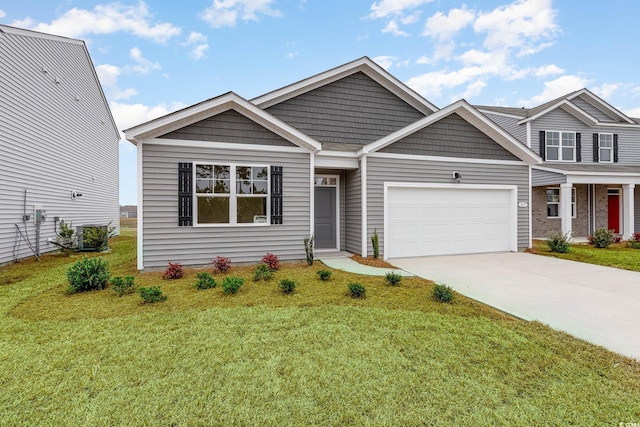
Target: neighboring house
<point>339,155</point>
<point>128,211</point>
<point>591,164</point>
<point>58,142</point>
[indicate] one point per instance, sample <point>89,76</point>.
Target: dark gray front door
<point>325,218</point>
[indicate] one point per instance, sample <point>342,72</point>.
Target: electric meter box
<point>39,213</point>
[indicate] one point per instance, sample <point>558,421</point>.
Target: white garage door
<point>449,220</point>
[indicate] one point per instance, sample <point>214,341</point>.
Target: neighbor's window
<point>560,146</point>
<point>223,200</point>
<point>605,147</point>
<point>553,202</point>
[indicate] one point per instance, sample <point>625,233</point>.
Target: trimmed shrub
<point>231,284</point>
<point>151,295</point>
<point>356,290</point>
<point>88,274</point>
<point>393,278</point>
<point>287,286</point>
<point>602,238</point>
<point>324,275</point>
<point>272,261</point>
<point>262,272</point>
<point>634,241</point>
<point>375,243</point>
<point>221,264</point>
<point>308,248</point>
<point>123,285</point>
<point>173,271</point>
<point>558,242</point>
<point>442,293</point>
<point>204,281</point>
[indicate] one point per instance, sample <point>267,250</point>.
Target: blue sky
<point>155,57</point>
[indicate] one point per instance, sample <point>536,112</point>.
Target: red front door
<point>614,212</point>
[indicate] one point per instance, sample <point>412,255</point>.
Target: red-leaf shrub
<point>635,237</point>
<point>272,261</point>
<point>174,271</point>
<point>221,264</point>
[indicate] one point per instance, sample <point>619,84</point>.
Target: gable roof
<point>364,65</point>
<point>599,103</point>
<point>211,107</point>
<point>471,115</point>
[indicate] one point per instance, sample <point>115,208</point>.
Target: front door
<point>613,197</point>
<point>325,217</point>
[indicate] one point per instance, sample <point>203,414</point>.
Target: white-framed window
<point>231,194</point>
<point>605,147</point>
<point>553,202</point>
<point>560,146</point>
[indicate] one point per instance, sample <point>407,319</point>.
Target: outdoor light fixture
<point>457,176</point>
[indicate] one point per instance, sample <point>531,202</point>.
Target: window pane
<point>567,153</point>
<point>243,187</point>
<point>606,140</point>
<point>213,210</point>
<point>251,209</point>
<point>204,186</point>
<point>553,195</point>
<point>552,153</point>
<point>222,172</point>
<point>260,187</point>
<point>605,155</point>
<point>243,172</point>
<point>204,171</point>
<point>568,139</point>
<point>260,173</point>
<point>552,210</point>
<point>553,138</point>
<point>222,187</point>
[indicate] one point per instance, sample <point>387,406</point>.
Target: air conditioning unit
<point>89,246</point>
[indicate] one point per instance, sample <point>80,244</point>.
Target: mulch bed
<point>371,262</point>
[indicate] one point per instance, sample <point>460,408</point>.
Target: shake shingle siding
<point>355,110</point>
<point>450,137</point>
<point>510,124</point>
<point>164,239</point>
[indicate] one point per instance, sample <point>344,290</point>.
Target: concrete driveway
<point>598,304</point>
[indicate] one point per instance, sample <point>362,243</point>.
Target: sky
<point>156,57</point>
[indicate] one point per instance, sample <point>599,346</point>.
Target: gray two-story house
<point>590,168</point>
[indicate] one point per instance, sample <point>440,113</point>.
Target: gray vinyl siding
<point>539,177</point>
<point>52,143</point>
<point>341,174</point>
<point>510,124</point>
<point>355,110</point>
<point>229,126</point>
<point>353,211</point>
<point>424,171</point>
<point>164,240</point>
<point>451,136</point>
<point>593,111</point>
<point>560,120</point>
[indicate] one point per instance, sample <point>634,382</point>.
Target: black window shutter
<point>276,194</point>
<point>615,148</point>
<point>185,194</point>
<point>578,147</point>
<point>543,145</point>
<point>596,148</point>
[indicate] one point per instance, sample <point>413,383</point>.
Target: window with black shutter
<point>615,148</point>
<point>596,148</point>
<point>578,147</point>
<point>543,147</point>
<point>276,194</point>
<point>185,194</point>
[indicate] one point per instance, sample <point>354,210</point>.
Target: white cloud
<point>143,64</point>
<point>2,13</point>
<point>392,27</point>
<point>385,61</point>
<point>547,70</point>
<point>634,112</point>
<point>199,44</point>
<point>444,27</point>
<point>423,60</point>
<point>556,88</point>
<point>431,84</point>
<point>225,13</point>
<point>384,8</point>
<point>108,76</point>
<point>606,90</point>
<point>106,19</point>
<point>474,89</point>
<point>410,19</point>
<point>129,115</point>
<point>291,55</point>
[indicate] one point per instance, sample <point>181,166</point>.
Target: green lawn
<point>617,255</point>
<point>316,357</point>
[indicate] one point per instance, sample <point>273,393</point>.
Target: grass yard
<point>315,357</point>
<point>617,255</point>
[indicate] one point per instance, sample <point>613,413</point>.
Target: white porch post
<point>565,208</point>
<point>627,210</point>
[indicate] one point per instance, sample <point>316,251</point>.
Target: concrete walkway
<point>598,304</point>
<point>347,264</point>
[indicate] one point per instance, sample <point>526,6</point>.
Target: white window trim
<point>605,148</point>
<point>560,159</point>
<point>233,207</point>
<point>574,207</point>
<point>337,187</point>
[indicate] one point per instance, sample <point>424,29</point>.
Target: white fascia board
<point>471,115</point>
<point>569,107</point>
<point>589,177</point>
<point>140,228</point>
<point>601,103</point>
<point>496,113</point>
<point>336,160</point>
<point>621,125</point>
<point>224,145</point>
<point>445,159</point>
<point>365,65</point>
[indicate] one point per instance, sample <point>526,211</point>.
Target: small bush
<point>66,237</point>
<point>287,285</point>
<point>151,295</point>
<point>559,242</point>
<point>324,275</point>
<point>375,243</point>
<point>272,261</point>
<point>88,274</point>
<point>393,278</point>
<point>634,241</point>
<point>602,238</point>
<point>173,271</point>
<point>123,285</point>
<point>204,281</point>
<point>617,239</point>
<point>356,290</point>
<point>308,248</point>
<point>262,272</point>
<point>442,293</point>
<point>221,264</point>
<point>231,284</point>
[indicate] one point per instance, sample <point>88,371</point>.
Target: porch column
<point>627,210</point>
<point>565,209</point>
